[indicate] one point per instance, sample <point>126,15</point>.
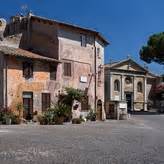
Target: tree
<point>154,50</point>
<point>71,95</point>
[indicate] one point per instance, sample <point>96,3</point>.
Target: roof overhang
<point>17,52</point>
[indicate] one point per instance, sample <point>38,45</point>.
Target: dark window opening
<point>139,87</point>
<point>67,69</point>
<point>53,71</point>
<point>116,85</point>
<point>46,101</point>
<point>27,70</point>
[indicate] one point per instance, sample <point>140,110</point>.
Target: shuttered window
<point>46,101</point>
<point>83,41</point>
<point>67,69</point>
<point>53,70</point>
<point>84,103</point>
<point>27,70</point>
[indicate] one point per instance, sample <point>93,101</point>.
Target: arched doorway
<point>99,110</point>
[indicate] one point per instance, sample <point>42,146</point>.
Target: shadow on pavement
<point>146,113</point>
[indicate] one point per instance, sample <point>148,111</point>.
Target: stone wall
<point>1,80</point>
<point>40,83</point>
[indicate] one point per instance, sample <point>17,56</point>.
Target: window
<point>139,87</point>
<point>83,41</point>
<point>67,69</point>
<point>84,103</point>
<point>116,85</point>
<point>27,70</point>
<point>46,101</point>
<point>53,70</point>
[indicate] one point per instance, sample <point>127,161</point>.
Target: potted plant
<point>91,116</point>
<point>7,118</point>
<point>61,111</point>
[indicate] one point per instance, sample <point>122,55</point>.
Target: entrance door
<point>99,110</point>
<point>110,112</point>
<point>27,105</point>
<point>129,101</point>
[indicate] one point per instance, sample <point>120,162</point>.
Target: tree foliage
<point>71,95</point>
<point>154,50</point>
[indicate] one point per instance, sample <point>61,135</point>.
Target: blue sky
<point>127,24</point>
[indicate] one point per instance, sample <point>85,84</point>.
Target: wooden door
<point>28,105</point>
<point>111,112</point>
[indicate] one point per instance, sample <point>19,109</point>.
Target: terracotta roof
<point>24,53</point>
<point>98,34</point>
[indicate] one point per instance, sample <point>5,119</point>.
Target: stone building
<point>127,82</point>
<point>159,94</point>
<point>40,57</point>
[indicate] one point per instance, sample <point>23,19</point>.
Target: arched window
<point>139,87</point>
<point>116,85</point>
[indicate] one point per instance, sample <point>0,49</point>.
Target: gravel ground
<point>139,140</point>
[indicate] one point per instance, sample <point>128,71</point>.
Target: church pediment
<point>128,65</point>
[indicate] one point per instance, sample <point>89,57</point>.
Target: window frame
<point>53,72</point>
<point>139,87</point>
<point>46,105</point>
<point>83,39</point>
<point>85,103</point>
<point>67,71</point>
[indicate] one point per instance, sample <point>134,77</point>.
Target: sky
<point>126,24</point>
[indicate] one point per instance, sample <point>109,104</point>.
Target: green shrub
<point>91,116</point>
<point>8,117</point>
<point>54,115</point>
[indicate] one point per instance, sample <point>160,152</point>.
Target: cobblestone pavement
<point>139,140</point>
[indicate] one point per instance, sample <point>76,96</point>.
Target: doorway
<point>27,105</point>
<point>129,101</point>
<point>99,110</point>
<point>110,112</point>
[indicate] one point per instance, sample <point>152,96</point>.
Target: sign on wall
<point>83,79</point>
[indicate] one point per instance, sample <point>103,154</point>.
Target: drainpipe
<point>95,65</point>
<point>5,81</point>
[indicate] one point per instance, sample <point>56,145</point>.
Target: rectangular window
<point>84,103</point>
<point>53,71</point>
<point>67,69</point>
<point>46,101</point>
<point>83,41</point>
<point>27,70</point>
